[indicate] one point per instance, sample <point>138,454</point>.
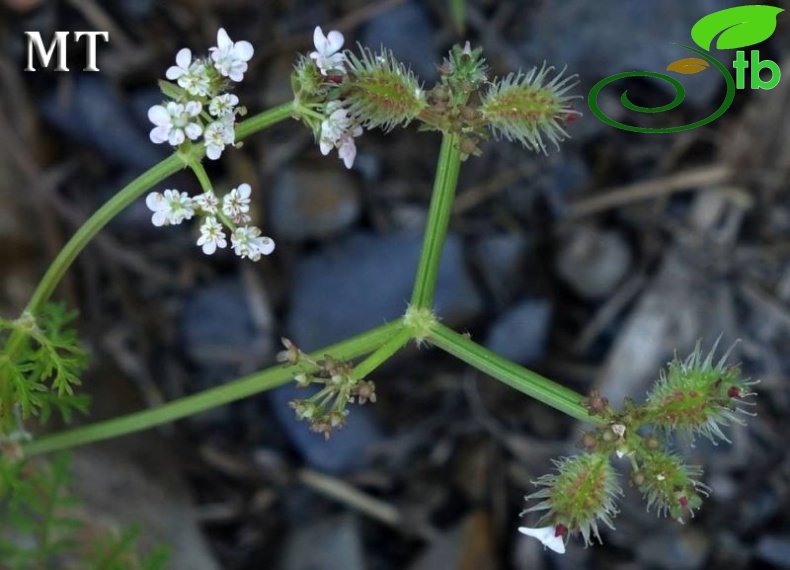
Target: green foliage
<point>41,373</point>
<point>39,526</point>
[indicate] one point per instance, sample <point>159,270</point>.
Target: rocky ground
<point>592,265</point>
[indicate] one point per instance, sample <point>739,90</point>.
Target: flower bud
<point>381,91</point>
<point>580,493</point>
<point>526,107</point>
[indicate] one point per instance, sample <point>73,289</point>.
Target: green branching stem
<point>242,388</point>
<point>510,373</point>
<point>438,222</point>
<point>112,208</point>
<point>383,353</point>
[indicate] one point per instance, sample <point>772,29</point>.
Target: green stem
<point>242,388</point>
<point>382,354</point>
<point>103,215</point>
<point>129,194</point>
<point>438,222</point>
<point>200,173</point>
<point>515,376</point>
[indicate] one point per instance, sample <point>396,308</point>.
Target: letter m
<point>35,43</point>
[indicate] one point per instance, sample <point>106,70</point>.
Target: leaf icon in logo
<point>739,27</point>
<point>688,65</point>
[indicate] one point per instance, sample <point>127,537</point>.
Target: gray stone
<point>219,330</point>
<point>774,549</point>
<point>313,203</point>
<point>593,261</point>
<point>330,544</point>
<point>499,259</point>
<point>520,334</point>
<point>93,113</point>
<point>685,549</point>
<point>408,32</point>
<point>367,279</point>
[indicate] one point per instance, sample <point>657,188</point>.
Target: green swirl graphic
<point>680,95</point>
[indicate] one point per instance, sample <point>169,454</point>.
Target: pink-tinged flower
<point>170,208</point>
<point>212,236</point>
<point>230,58</point>
<point>236,203</point>
<point>223,105</point>
<point>338,131</point>
<point>174,122</point>
<point>327,56</point>
<point>347,151</point>
<point>207,201</point>
<point>218,135</point>
<point>549,536</point>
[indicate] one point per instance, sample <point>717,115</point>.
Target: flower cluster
<point>694,396</point>
<point>173,207</point>
<point>200,102</point>
<point>326,409</point>
<point>334,126</point>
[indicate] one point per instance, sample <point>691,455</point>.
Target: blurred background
<point>592,265</point>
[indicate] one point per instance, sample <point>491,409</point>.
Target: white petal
<point>223,39</point>
<point>243,50</point>
<point>334,41</point>
<point>184,58</point>
<point>266,245</point>
<point>213,152</point>
<point>209,247</point>
<point>244,191</point>
<point>176,137</point>
<point>174,73</point>
<point>155,201</point>
<point>319,39</point>
<point>193,130</point>
<point>193,108</point>
<point>158,115</point>
<point>326,146</point>
<point>159,218</point>
<point>159,135</point>
<point>547,535</point>
<point>348,151</point>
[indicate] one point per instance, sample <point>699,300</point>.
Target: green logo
<point>736,28</point>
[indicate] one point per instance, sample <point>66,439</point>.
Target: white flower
<point>347,150</point>
<point>547,535</point>
<point>207,201</point>
<point>337,131</point>
<point>212,236</point>
<point>230,58</point>
<point>327,56</point>
<point>218,135</point>
<point>190,76</point>
<point>338,121</point>
<point>236,203</point>
<point>174,122</point>
<point>247,241</point>
<point>222,105</point>
<point>170,208</point>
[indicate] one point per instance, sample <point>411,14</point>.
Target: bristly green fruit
<point>525,107</point>
<point>579,494</point>
<point>381,91</point>
<point>696,397</point>
<point>669,485</point>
